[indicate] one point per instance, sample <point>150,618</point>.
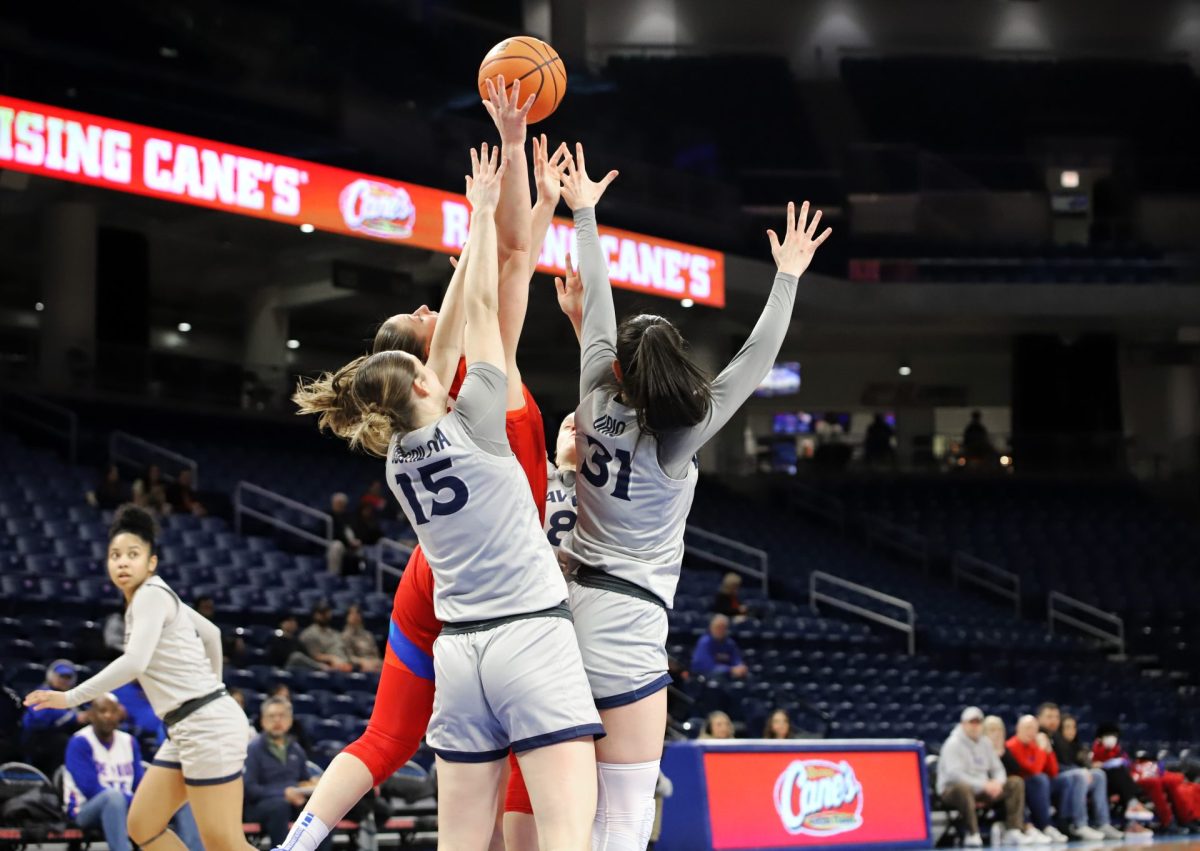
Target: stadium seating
<point>836,676</point>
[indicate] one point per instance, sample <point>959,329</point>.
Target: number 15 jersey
<point>468,500</point>
<point>631,514</point>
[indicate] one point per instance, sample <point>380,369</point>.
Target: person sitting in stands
<point>727,602</point>
<point>969,771</point>
<point>717,726</point>
<point>359,643</point>
<point>779,726</point>
<point>716,654</point>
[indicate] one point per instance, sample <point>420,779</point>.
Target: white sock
<point>624,806</point>
<point>306,834</point>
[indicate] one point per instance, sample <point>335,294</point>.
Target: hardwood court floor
<point>1165,844</point>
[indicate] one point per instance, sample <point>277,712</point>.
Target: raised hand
<point>547,171</point>
<point>578,189</point>
<point>507,111</point>
<point>799,241</point>
<point>570,292</point>
<point>483,184</point>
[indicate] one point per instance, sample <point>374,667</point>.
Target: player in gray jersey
<point>560,488</point>
<point>175,654</point>
<point>507,666</point>
<point>645,411</point>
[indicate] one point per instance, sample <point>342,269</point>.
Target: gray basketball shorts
<point>519,685</point>
<point>623,641</point>
<point>208,746</point>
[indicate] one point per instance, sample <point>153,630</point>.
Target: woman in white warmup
<point>646,409</point>
<point>176,656</point>
<point>507,667</point>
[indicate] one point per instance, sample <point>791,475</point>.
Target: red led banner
<point>81,148</point>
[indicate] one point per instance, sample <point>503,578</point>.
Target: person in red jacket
<point>1035,758</point>
<point>1176,802</point>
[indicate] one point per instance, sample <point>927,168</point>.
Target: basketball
<point>535,64</point>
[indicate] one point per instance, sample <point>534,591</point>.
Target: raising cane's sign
<point>82,148</point>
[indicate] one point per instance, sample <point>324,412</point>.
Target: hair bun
<point>135,521</point>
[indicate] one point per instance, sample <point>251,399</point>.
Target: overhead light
<point>293,344</point>
<point>1069,179</point>
<point>905,370</point>
<point>1005,460</point>
<point>687,302</point>
<point>306,228</point>
<point>184,327</point>
<point>39,307</point>
<point>168,52</point>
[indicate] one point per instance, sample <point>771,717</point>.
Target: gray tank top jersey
<point>179,668</point>
<point>477,524</point>
<point>560,506</point>
<point>631,513</point>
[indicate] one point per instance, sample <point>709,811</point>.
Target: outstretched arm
<point>598,337</point>
<point>750,365</point>
<point>570,297</point>
<point>447,344</point>
<point>482,337</point>
<point>547,176</point>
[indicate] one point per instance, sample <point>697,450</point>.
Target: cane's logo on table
<point>378,209</point>
<point>816,797</point>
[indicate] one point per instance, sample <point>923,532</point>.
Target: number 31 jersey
<point>631,514</point>
<point>477,525</point>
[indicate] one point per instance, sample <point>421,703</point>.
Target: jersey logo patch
<point>609,425</point>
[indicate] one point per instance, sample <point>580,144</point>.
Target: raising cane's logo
<point>815,797</point>
<point>378,209</point>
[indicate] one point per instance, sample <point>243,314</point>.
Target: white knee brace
<point>624,806</point>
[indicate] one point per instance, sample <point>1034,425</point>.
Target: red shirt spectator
<point>1032,758</point>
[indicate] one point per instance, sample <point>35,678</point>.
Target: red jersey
<point>1032,759</point>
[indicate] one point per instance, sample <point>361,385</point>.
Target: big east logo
<point>815,797</point>
<point>378,209</point>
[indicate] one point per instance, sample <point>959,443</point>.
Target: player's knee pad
<point>624,806</point>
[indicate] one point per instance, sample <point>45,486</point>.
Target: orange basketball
<point>535,64</point>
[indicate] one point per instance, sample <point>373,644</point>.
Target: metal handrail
<point>68,433</point>
<point>962,564</point>
<point>1115,637</point>
<point>900,538</point>
<point>240,508</point>
<point>823,505</point>
<point>382,567</point>
<point>908,626</point>
<point>115,455</point>
<point>762,572</point>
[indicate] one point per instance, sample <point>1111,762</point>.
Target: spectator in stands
<point>366,525</point>
<point>45,732</point>
<point>993,728</point>
<point>103,766</point>
<point>977,444</point>
<point>1108,755</point>
<point>716,654</point>
<point>298,731</point>
<point>151,492</point>
<point>323,643</point>
<point>726,602</point>
<point>718,725</point>
<point>1039,768</point>
<point>110,492</point>
<point>779,726</point>
<point>286,650</point>
<point>277,779</point>
<point>182,498</point>
<point>969,771</point>
<point>140,720</point>
<point>343,556</point>
<point>1183,795</point>
<point>206,606</point>
<point>878,445</point>
<point>374,496</point>
<point>360,644</point>
<point>239,697</point>
<point>1072,767</point>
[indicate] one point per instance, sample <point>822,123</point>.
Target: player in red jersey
<point>404,697</point>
